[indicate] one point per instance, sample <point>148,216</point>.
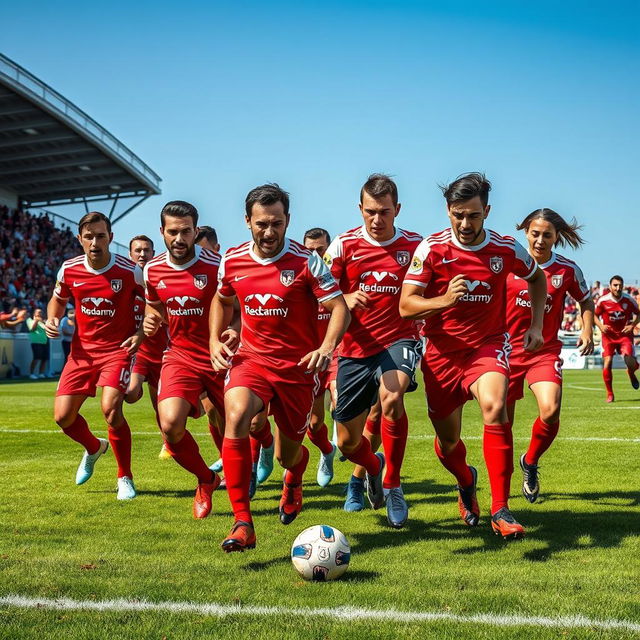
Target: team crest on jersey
<point>496,264</point>
<point>556,280</point>
<point>403,258</point>
<point>116,285</point>
<point>287,276</point>
<point>200,280</point>
<point>416,264</point>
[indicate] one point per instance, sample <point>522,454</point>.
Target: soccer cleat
<point>397,509</point>
<point>610,397</point>
<point>164,453</point>
<point>530,484</point>
<point>85,469</point>
<point>468,502</point>
<point>355,495</point>
<point>216,467</point>
<point>325,467</point>
<point>202,499</point>
<point>126,488</point>
<point>290,502</point>
<point>242,536</point>
<point>33,376</point>
<point>253,483</point>
<point>374,485</point>
<point>505,525</point>
<point>634,380</point>
<point>265,464</point>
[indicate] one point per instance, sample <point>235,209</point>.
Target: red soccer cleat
<point>242,536</point>
<point>290,503</point>
<point>202,499</point>
<point>609,397</point>
<point>505,525</point>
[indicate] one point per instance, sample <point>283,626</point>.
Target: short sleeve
<point>322,282</point>
<point>524,266</point>
<point>334,259</point>
<point>420,271</point>
<point>225,289</point>
<point>61,290</point>
<point>578,288</point>
<point>598,310</point>
<point>150,293</point>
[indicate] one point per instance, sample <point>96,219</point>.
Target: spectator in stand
<point>596,290</point>
<point>12,317</point>
<point>67,329</point>
<point>39,344</point>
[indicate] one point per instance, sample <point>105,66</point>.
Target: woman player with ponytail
<point>544,229</point>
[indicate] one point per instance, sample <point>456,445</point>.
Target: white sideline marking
<point>575,386</point>
<point>350,614</point>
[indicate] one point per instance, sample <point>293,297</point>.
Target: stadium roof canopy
<point>53,153</point>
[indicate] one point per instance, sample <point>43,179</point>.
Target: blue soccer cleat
<point>253,483</point>
<point>265,464</point>
<point>325,467</point>
<point>355,495</point>
<point>85,469</point>
<point>216,467</point>
<point>397,508</point>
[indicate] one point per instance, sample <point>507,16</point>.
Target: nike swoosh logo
<point>356,257</point>
<point>240,278</point>
<point>78,284</point>
<point>445,261</point>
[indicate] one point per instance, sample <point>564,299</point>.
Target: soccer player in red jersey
<point>318,240</point>
<point>456,282</point>
<point>104,287</point>
<point>278,284</point>
<point>380,350</point>
<point>616,315</point>
<point>180,284</point>
<point>545,229</point>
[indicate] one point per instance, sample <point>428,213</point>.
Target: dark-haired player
<point>456,282</point>
<point>380,350</point>
<point>616,315</point>
<point>104,287</point>
<point>544,229</point>
<point>278,284</point>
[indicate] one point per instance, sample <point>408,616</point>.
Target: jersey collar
<point>549,262</point>
<point>108,266</point>
<point>186,265</point>
<point>384,243</point>
<point>275,258</point>
<point>476,247</point>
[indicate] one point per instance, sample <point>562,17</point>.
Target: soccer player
<point>456,282</point>
<point>180,284</point>
<point>380,350</point>
<point>104,287</point>
<point>318,240</point>
<point>616,315</point>
<point>278,284</point>
<point>544,229</point>
<point>207,238</point>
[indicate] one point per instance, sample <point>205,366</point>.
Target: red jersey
<point>563,277</point>
<point>323,322</point>
<point>479,315</point>
<point>278,299</point>
<point>360,263</point>
<point>153,346</point>
<point>104,300</point>
<point>186,291</point>
<point>616,313</point>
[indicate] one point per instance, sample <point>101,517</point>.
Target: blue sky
<point>218,98</point>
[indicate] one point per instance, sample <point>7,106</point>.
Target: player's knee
<point>550,412</point>
<point>315,422</point>
<point>64,419</point>
<point>493,410</point>
<point>113,415</point>
<point>448,444</point>
<point>393,406</point>
<point>348,443</point>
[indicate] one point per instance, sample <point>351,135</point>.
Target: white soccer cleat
<point>126,488</point>
<point>85,470</point>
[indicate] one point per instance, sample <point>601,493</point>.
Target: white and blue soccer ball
<point>321,553</point>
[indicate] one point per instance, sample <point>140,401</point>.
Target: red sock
<point>373,426</point>
<point>608,379</point>
<point>264,435</point>
<point>394,441</point>
<point>365,458</point>
<point>79,431</point>
<point>236,458</point>
<point>321,439</point>
<point>187,454</point>
<point>456,463</point>
<point>120,441</point>
<point>542,435</point>
<point>216,435</point>
<point>254,443</point>
<point>497,446</point>
<point>294,475</point>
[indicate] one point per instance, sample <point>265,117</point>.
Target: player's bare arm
<point>415,306</point>
<point>585,341</point>
<point>320,359</point>
<point>220,316</point>
<point>55,311</point>
<point>628,329</point>
<point>537,285</point>
<point>132,343</point>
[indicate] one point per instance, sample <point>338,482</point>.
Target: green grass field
<point>581,556</point>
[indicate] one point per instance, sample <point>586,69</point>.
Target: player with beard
<point>180,284</point>
<point>278,284</point>
<point>616,315</point>
<point>544,229</point>
<point>104,287</point>
<point>456,283</point>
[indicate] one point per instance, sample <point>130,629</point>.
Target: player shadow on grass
<point>611,498</point>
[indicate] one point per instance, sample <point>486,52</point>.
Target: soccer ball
<point>321,553</point>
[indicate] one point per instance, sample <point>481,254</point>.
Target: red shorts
<point>448,376</point>
<point>148,369</point>
<point>180,379</point>
<point>81,375</point>
<point>620,344</point>
<point>288,391</point>
<point>535,367</point>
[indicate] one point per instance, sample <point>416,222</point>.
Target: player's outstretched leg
<point>354,490</point>
<point>632,367</point>
<point>291,500</point>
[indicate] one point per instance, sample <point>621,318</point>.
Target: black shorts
<point>40,351</point>
<point>358,379</point>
